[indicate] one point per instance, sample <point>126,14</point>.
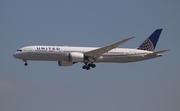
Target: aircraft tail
<point>150,43</point>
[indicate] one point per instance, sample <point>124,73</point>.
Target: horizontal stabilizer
<point>158,53</point>
<point>161,51</point>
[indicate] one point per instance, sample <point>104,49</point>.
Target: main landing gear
<point>25,62</point>
<point>88,66</point>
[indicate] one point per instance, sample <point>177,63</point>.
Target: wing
<point>95,54</point>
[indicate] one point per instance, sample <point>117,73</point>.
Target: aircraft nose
<point>15,55</point>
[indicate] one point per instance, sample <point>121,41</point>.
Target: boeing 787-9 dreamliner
<point>67,56</point>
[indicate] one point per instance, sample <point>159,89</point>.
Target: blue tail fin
<point>150,43</point>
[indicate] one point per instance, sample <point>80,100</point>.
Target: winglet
<point>150,43</point>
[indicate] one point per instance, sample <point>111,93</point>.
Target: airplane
<point>68,55</point>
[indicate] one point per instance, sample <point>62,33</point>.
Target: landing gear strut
<point>25,62</point>
<point>88,66</point>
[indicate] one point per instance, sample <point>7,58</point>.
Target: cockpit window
<point>19,50</point>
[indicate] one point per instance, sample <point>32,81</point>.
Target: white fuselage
<point>61,53</point>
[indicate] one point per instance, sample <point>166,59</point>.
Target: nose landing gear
<point>25,62</point>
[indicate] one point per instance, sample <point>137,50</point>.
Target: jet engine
<point>76,57</point>
<point>65,63</point>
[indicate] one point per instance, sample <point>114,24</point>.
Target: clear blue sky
<point>152,85</point>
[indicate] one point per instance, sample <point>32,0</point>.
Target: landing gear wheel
<point>88,66</point>
<point>92,65</point>
<point>84,67</point>
<point>26,64</point>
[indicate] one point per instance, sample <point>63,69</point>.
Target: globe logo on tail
<point>147,45</point>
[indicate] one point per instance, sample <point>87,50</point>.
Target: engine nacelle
<point>65,63</point>
<point>76,57</point>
